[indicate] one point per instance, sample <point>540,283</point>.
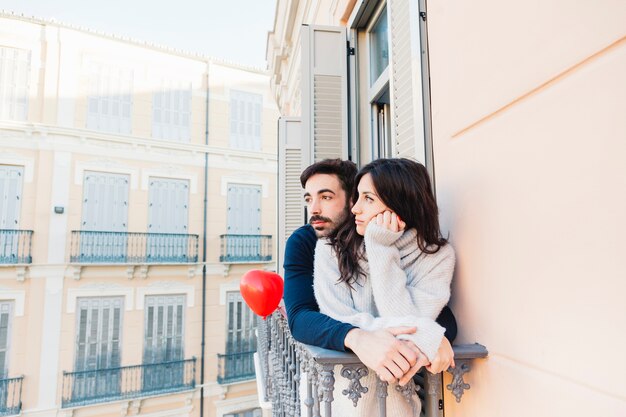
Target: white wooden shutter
<point>99,330</point>
<point>244,209</point>
<point>290,162</point>
<point>406,81</point>
<point>164,328</point>
<point>11,178</point>
<point>109,104</point>
<point>245,120</point>
<point>324,93</point>
<point>6,312</point>
<point>168,209</point>
<point>241,325</point>
<point>171,111</point>
<point>14,83</point>
<point>105,201</point>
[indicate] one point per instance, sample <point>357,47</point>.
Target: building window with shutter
<point>98,347</point>
<point>245,120</point>
<point>168,215</point>
<point>6,318</point>
<point>241,324</point>
<point>163,342</point>
<point>14,76</point>
<point>109,103</point>
<point>171,112</point>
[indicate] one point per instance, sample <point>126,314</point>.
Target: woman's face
<point>368,206</point>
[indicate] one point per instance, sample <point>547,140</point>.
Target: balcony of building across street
<point>235,367</point>
<point>103,247</point>
<point>126,382</point>
<point>11,396</point>
<point>15,246</point>
<point>245,248</point>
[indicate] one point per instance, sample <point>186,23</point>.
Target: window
<point>105,201</point>
<point>171,112</point>
<point>14,75</point>
<point>110,98</point>
<point>164,328</point>
<point>99,331</point>
<point>241,324</point>
<point>248,413</point>
<point>245,120</point>
<point>379,97</point>
<point>163,343</point>
<point>379,46</point>
<point>6,312</point>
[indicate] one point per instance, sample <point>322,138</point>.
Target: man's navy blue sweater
<point>306,322</point>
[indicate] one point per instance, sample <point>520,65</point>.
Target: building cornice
<point>7,14</point>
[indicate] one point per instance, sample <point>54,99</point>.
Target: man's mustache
<point>319,219</point>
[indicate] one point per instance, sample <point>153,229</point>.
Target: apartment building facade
<point>517,110</point>
<point>137,185</point>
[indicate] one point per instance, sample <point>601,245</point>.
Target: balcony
<point>283,361</point>
<point>11,396</point>
<point>98,247</point>
<point>245,248</point>
<point>127,382</point>
<point>15,246</point>
<point>235,367</point>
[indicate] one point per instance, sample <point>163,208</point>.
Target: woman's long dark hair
<point>404,186</point>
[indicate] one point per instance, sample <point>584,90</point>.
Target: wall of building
<point>528,152</point>
<point>56,147</point>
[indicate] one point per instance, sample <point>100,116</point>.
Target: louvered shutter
<point>324,93</point>
<point>244,209</point>
<point>6,309</point>
<point>164,328</point>
<point>11,179</point>
<point>290,162</point>
<point>14,83</point>
<point>406,82</point>
<point>99,333</point>
<point>105,201</point>
<point>169,205</point>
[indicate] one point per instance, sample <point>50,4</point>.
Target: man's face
<point>326,201</point>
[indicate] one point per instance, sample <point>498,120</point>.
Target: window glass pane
<point>379,47</point>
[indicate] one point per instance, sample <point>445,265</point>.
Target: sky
<point>234,30</point>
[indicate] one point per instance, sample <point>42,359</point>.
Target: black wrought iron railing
<point>245,248</point>
<point>111,384</point>
<point>234,367</point>
<point>125,247</point>
<point>15,246</point>
<point>11,396</point>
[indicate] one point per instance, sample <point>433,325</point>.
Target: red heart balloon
<point>262,291</point>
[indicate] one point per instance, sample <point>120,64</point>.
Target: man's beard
<point>331,224</point>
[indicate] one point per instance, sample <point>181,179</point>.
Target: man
<point>328,185</point>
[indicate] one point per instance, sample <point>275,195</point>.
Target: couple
<point>378,276</point>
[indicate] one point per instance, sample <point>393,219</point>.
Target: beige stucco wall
<point>528,134</point>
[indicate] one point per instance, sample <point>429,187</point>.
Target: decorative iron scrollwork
<point>458,385</point>
<point>354,373</point>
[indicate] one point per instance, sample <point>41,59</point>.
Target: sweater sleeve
<point>419,290</point>
<point>335,299</point>
<point>307,324</point>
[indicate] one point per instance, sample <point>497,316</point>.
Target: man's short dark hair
<point>344,170</point>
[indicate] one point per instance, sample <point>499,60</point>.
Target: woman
<point>391,267</point>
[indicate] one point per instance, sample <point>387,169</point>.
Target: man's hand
<point>444,358</point>
<point>389,357</point>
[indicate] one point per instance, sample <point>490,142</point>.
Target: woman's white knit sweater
<point>403,286</point>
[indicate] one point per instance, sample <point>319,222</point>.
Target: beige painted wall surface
<point>532,198</point>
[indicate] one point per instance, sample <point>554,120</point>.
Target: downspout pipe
<point>204,239</point>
